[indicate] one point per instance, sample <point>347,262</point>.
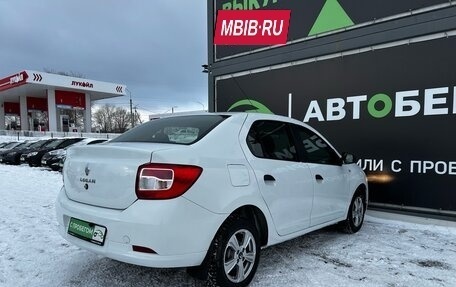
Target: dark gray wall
<point>393,147</point>
<point>433,73</point>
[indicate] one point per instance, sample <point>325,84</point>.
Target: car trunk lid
<point>105,175</point>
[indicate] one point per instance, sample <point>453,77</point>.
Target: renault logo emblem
<point>87,170</point>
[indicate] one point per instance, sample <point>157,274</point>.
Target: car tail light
<point>165,181</point>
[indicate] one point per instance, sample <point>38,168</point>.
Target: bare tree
<point>121,120</point>
<point>63,73</point>
<point>111,119</point>
<point>103,118</point>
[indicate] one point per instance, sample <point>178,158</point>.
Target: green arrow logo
<point>332,17</point>
<point>247,105</point>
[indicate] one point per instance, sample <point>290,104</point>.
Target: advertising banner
<point>312,17</point>
<point>393,108</point>
<point>252,27</point>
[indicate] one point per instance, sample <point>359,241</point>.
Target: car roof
<point>244,114</point>
<point>263,116</point>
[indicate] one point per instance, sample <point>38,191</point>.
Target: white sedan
<point>207,192</point>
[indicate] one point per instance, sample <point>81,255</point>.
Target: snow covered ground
<point>383,253</point>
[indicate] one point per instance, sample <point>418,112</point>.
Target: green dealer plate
<point>87,231</point>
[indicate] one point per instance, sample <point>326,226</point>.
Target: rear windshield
<point>10,145</point>
<point>22,144</point>
<point>69,142</point>
<point>38,144</point>
<point>53,143</point>
<point>176,130</point>
<point>29,144</point>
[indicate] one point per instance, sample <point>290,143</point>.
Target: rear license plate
<point>43,162</point>
<point>87,231</point>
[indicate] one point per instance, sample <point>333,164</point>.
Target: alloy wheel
<point>239,256</point>
<point>358,211</point>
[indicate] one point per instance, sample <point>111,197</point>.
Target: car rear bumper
<point>179,231</point>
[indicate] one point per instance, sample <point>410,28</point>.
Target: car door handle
<point>268,177</point>
<point>319,177</point>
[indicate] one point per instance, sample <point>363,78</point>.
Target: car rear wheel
<point>235,254</point>
<point>355,216</point>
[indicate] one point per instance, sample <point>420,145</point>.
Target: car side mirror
<point>348,158</point>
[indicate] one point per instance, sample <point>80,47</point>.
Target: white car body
<point>180,230</point>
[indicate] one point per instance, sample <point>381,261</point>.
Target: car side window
<point>314,148</point>
<point>271,140</point>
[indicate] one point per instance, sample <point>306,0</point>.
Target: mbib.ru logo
<point>252,27</point>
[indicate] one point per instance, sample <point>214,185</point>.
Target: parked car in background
<point>41,144</point>
<point>207,191</point>
<point>56,162</point>
<point>3,144</point>
<point>9,146</point>
<point>53,158</point>
<point>34,158</point>
<point>18,145</point>
<point>13,155</point>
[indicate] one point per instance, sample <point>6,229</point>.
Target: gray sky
<point>155,47</point>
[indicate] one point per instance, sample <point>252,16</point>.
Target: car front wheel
<point>235,254</point>
<point>355,216</point>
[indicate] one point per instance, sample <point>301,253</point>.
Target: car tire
<point>234,254</point>
<point>355,216</point>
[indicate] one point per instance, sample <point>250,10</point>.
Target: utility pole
<point>137,116</point>
<point>132,119</point>
<point>131,114</point>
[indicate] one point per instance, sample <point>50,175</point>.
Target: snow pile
<point>21,139</point>
<point>383,253</point>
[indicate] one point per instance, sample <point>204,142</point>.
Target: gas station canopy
<point>28,91</point>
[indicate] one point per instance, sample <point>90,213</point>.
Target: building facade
<point>42,101</point>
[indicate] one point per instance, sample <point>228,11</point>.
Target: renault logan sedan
<point>207,192</point>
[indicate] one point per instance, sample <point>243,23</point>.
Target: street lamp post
<point>200,104</point>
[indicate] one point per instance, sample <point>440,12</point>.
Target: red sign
<point>37,104</point>
<point>12,108</point>
<point>252,27</point>
<point>13,81</point>
<point>70,99</point>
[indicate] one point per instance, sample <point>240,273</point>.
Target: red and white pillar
<point>52,111</point>
<point>24,113</point>
<point>87,115</point>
